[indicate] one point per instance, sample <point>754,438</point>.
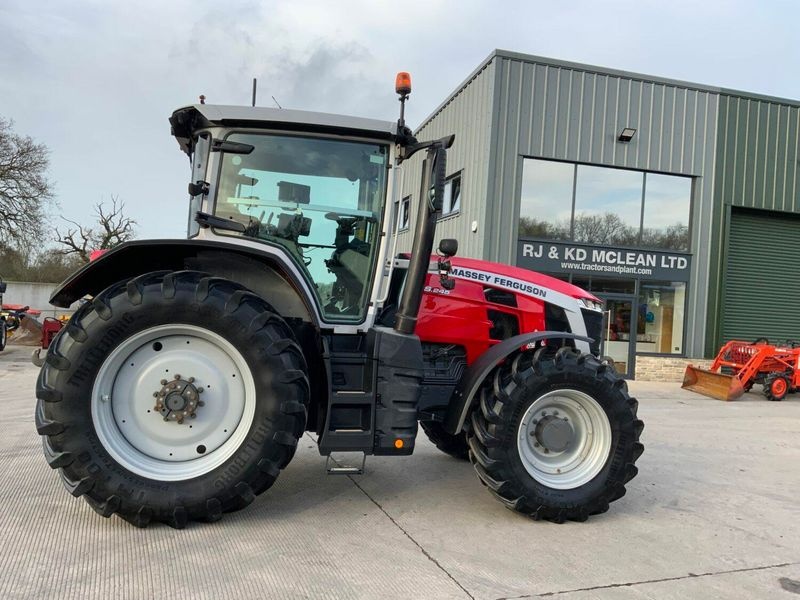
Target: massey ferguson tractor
<point>179,389</point>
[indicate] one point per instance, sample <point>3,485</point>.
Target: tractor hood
<point>507,276</point>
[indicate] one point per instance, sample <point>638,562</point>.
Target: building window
<point>452,195</point>
<point>403,212</point>
<point>547,190</point>
<point>660,317</point>
<point>608,206</point>
<point>665,198</point>
<point>600,205</point>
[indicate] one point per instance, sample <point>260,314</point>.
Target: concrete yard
<point>714,513</point>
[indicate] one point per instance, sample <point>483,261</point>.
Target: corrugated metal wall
<point>550,109</point>
<point>742,151</point>
<point>468,116</point>
<point>758,153</point>
<point>756,167</point>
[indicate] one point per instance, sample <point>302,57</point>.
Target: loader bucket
<point>714,385</point>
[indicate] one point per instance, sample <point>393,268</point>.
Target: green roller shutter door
<point>762,278</point>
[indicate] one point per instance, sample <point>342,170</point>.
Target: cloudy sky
<point>95,80</point>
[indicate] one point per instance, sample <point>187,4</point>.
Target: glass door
<point>619,332</point>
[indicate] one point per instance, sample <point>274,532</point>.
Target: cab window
<point>320,200</point>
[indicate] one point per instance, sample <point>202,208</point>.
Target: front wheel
<point>3,334</point>
<point>555,436</point>
<point>172,397</point>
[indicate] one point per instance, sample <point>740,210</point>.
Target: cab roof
<point>187,120</point>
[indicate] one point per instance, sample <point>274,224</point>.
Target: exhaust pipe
<point>431,195</point>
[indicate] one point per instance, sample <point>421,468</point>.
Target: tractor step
<point>338,466</point>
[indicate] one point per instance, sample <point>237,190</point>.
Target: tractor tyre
<point>173,397</point>
<point>3,335</point>
<point>776,387</point>
<point>454,445</point>
<point>555,436</point>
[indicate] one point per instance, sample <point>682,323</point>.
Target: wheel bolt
<point>191,379</point>
<point>555,412</point>
<point>535,421</point>
<point>200,390</point>
<point>193,415</point>
<point>163,382</point>
<point>546,451</point>
<point>177,376</point>
<point>535,444</point>
<point>155,394</point>
<point>200,403</point>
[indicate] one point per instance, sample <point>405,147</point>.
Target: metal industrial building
<point>677,203</point>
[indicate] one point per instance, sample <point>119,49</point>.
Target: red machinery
<point>739,365</point>
<point>50,327</point>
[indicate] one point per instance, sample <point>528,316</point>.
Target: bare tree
<point>24,188</point>
<point>112,228</point>
<point>608,229</point>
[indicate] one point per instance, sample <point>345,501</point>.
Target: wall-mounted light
<point>627,134</point>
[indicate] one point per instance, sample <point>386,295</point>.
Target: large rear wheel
<point>172,397</point>
<point>776,386</point>
<point>555,436</point>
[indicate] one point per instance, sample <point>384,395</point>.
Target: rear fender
<point>262,272</point>
<point>461,401</point>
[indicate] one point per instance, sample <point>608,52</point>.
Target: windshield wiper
<point>206,220</point>
<point>231,147</point>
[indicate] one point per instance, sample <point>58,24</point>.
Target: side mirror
<point>448,247</point>
<point>198,188</point>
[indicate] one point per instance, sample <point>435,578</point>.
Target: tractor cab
<point>311,186</point>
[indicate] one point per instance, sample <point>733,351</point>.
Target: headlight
<point>591,304</point>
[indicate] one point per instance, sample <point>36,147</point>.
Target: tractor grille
<point>594,328</point>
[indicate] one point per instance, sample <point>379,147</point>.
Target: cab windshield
<point>321,200</point>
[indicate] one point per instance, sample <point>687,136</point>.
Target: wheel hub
<point>564,438</point>
<point>178,399</point>
<point>554,433</point>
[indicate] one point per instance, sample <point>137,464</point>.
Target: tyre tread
<point>492,429</point>
<point>258,319</point>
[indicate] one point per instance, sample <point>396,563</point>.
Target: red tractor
<point>179,391</point>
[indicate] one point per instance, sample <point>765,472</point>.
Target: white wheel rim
<point>587,446</point>
<point>124,407</point>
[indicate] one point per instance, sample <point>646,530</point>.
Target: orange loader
<point>739,365</point>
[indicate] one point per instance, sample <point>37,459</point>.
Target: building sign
<point>603,261</point>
